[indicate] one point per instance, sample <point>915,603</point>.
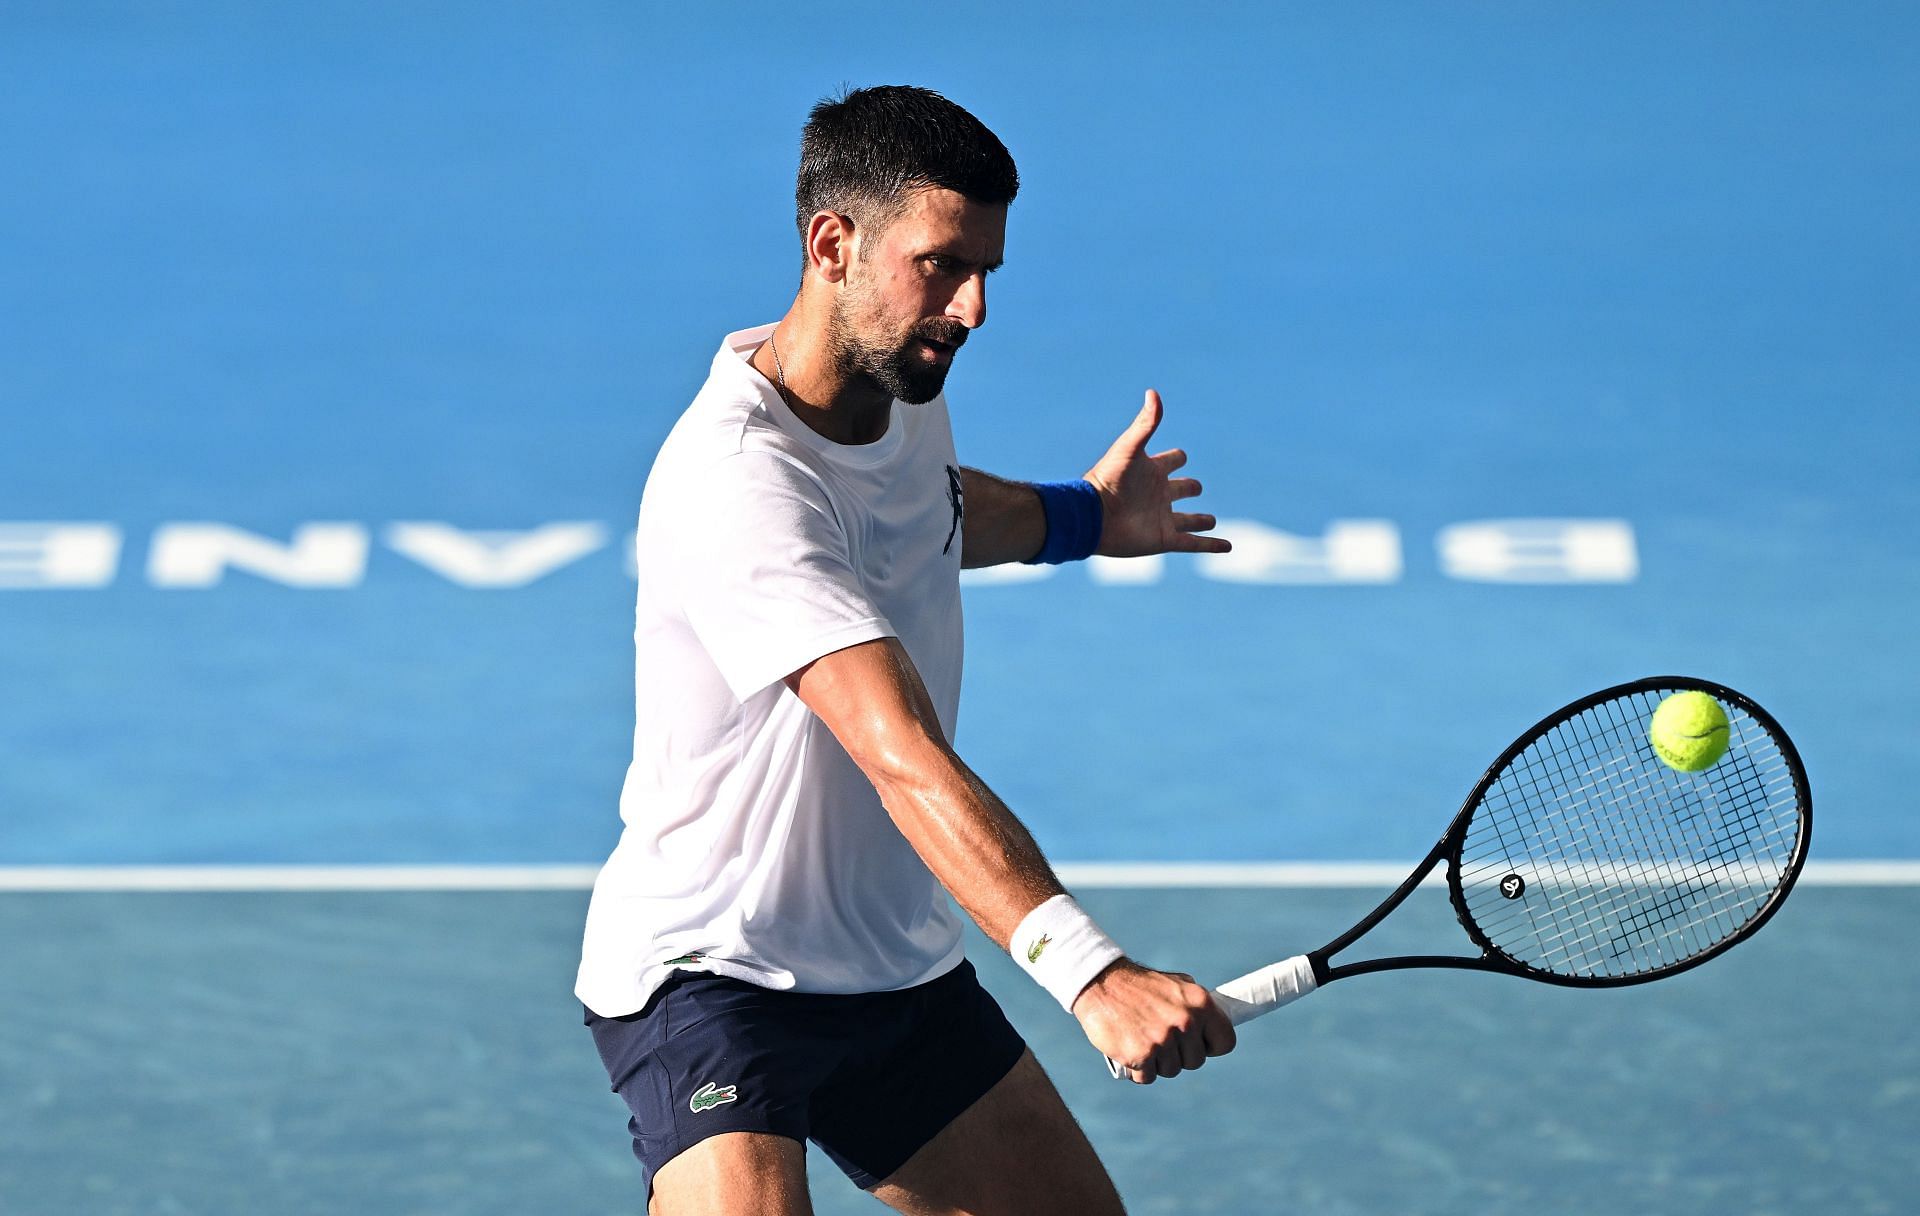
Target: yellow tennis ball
<point>1689,731</point>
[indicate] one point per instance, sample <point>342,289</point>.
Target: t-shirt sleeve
<point>765,573</point>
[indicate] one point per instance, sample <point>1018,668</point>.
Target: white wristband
<point>1062,949</point>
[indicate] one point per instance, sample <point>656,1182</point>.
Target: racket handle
<point>1263,991</point>
<point>1255,993</point>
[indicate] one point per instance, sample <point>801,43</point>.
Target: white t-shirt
<point>752,840</point>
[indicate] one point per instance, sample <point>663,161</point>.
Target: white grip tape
<point>1061,948</point>
<point>1265,990</point>
<point>1255,993</point>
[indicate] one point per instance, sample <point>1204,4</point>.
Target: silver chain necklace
<point>778,371</point>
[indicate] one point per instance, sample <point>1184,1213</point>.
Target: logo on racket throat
<point>709,1096</point>
<point>1033,951</point>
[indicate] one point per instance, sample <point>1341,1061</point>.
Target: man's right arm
<point>872,699</point>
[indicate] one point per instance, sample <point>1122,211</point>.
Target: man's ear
<point>830,245</point>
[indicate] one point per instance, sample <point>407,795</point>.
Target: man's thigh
<point>1015,1152</point>
<point>735,1174</point>
<point>716,1059</point>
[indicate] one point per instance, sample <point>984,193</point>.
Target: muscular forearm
<point>872,699</point>
<point>1003,522</point>
<point>1155,1023</point>
<point>973,844</point>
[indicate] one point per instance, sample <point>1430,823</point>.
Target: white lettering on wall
<point>1126,571</point>
<point>494,559</point>
<point>1351,551</point>
<point>199,555</point>
<point>1540,551</point>
<point>83,554</point>
<point>46,556</point>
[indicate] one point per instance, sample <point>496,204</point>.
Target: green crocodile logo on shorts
<point>709,1096</point>
<point>1033,951</point>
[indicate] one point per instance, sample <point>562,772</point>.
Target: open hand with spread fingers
<point>1138,491</point>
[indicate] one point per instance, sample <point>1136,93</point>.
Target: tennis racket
<point>1582,859</point>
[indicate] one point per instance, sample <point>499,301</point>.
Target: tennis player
<point>769,956</point>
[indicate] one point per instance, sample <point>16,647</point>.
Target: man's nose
<point>969,303</point>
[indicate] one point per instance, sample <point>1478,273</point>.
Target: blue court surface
<point>1523,350</point>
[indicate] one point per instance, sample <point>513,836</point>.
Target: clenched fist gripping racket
<point>1581,858</point>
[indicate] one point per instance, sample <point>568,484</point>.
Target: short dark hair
<point>863,152</point>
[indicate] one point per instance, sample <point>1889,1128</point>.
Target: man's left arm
<point>1005,521</point>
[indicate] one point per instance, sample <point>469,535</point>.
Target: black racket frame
<point>1491,958</point>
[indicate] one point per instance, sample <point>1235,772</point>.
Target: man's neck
<point>840,406</point>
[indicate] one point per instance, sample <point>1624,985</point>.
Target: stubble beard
<point>892,364</point>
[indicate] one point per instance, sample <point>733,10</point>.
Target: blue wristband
<point>1073,521</point>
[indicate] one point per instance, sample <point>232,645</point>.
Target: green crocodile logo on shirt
<point>709,1096</point>
<point>1033,951</point>
<point>685,960</point>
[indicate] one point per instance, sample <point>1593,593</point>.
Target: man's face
<point>915,289</point>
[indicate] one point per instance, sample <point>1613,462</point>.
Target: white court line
<point>1119,874</point>
<point>296,878</point>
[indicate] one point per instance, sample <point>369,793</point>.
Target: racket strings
<point>1643,922</point>
<point>1625,865</point>
<point>1669,914</point>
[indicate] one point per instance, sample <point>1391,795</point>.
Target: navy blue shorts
<point>869,1077</point>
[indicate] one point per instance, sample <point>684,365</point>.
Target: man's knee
<point>985,1160</point>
